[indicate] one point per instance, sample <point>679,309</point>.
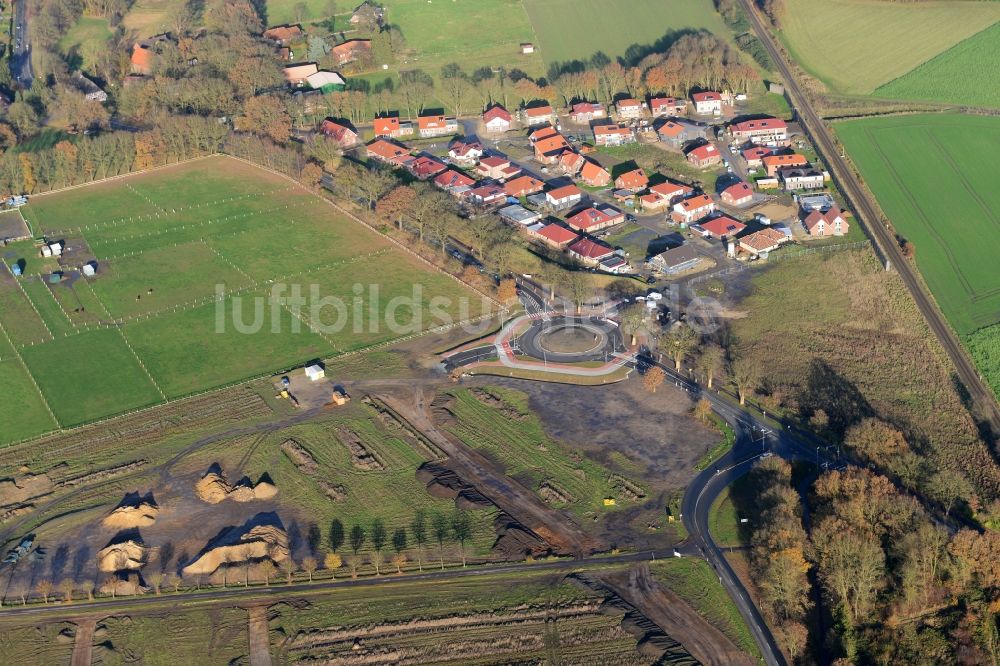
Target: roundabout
<point>568,339</point>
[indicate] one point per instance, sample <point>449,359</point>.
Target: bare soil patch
<point>361,457</point>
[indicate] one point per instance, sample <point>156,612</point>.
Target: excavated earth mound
<point>124,556</point>
<point>260,542</point>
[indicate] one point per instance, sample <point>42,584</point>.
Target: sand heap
<point>124,556</point>
<point>131,515</point>
<point>262,541</point>
<point>214,488</point>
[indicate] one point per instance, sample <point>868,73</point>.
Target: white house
<point>707,102</point>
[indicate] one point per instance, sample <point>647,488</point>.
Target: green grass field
<point>930,175</point>
<point>967,73</point>
<point>855,46</point>
<point>86,38</point>
<point>576,29</point>
<point>984,346</point>
<point>165,242</point>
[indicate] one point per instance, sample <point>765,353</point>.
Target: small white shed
<point>315,372</point>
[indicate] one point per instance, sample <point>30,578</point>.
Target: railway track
<point>868,214</point>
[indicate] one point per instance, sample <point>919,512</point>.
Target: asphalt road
<point>20,59</point>
<point>866,210</point>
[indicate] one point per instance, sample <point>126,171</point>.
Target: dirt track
<point>260,642</point>
<point>672,614</point>
<point>84,644</point>
<point>510,496</point>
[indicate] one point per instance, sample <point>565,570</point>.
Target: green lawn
<point>89,376</point>
<point>967,73</point>
<point>87,37</point>
<point>928,174</point>
<point>473,33</point>
<point>165,241</point>
<point>855,46</point>
<point>576,29</point>
<point>24,410</point>
<point>984,345</point>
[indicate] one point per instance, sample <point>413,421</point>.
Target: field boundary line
<point>107,179</point>
<point>141,364</point>
<point>32,304</point>
<point>58,304</point>
<point>130,188</point>
<point>226,260</point>
<point>27,371</point>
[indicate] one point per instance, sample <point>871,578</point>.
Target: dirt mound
<point>300,457</point>
<point>444,483</point>
<point>515,542</point>
<point>214,488</point>
<point>260,542</point>
<point>126,555</point>
<point>134,511</point>
<point>337,493</point>
<point>361,457</point>
<point>554,494</point>
<point>496,402</point>
<point>626,489</point>
<point>18,489</point>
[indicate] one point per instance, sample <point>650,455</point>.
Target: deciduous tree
<point>653,378</point>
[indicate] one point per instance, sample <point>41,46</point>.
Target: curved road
<point>866,210</point>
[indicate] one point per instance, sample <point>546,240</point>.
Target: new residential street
<point>867,212</point>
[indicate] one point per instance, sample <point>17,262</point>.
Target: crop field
<point>928,174</point>
<point>855,46</point>
<point>209,273</point>
<point>499,423</point>
<point>562,24</point>
<point>966,73</point>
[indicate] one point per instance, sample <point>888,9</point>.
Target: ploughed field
<point>185,296</point>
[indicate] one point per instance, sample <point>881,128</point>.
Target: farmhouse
<point>351,50</point>
<point>676,260</point>
<point>707,103</point>
<point>142,59</point>
<point>426,166</point>
<point>563,197</point>
<point>632,181</point>
<point>593,174</point>
<point>753,156</point>
<point>629,109</point>
<point>774,162</point>
<point>486,195</point>
<point>693,209</point>
<point>704,156</point>
<point>389,126</point>
<point>283,35</point>
<point>326,82</point>
<point>497,167</point>
<point>764,131</point>
<point>590,220</point>
<point>497,119</point>
<point>339,131</point>
<point>296,75</point>
<point>465,152</point>
<point>830,223</point>
<point>388,152</point>
<point>613,135</point>
<point>454,182</point>
<point>722,227</point>
<point>583,112</point>
<point>523,186</point>
<point>539,115</point>
<point>518,214</point>
<point>667,106</point>
<point>557,235</point>
<point>590,251</point>
<point>763,241</point>
<point>436,125</point>
<point>797,178</point>
<point>738,194</point>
